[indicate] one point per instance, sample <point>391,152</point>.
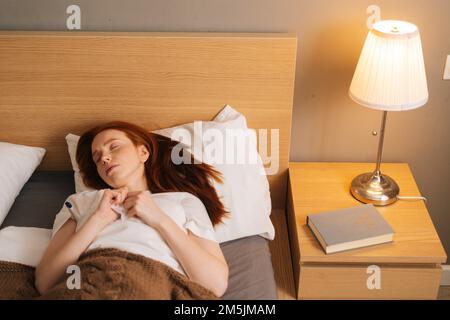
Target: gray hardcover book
<point>350,228</point>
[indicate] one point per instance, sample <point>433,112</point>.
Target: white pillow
<point>24,245</point>
<point>245,189</point>
<point>72,142</point>
<point>17,164</point>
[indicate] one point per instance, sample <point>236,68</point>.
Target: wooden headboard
<point>53,83</point>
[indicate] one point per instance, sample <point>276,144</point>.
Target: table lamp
<point>390,76</point>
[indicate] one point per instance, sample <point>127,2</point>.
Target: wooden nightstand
<point>410,266</point>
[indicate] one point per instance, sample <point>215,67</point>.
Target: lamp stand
<point>375,187</point>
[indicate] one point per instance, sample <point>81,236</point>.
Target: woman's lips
<point>111,169</point>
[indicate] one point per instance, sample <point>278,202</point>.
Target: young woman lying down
<point>145,232</point>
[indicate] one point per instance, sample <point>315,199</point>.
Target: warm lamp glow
<point>390,74</point>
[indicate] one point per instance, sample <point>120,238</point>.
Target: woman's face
<point>119,162</point>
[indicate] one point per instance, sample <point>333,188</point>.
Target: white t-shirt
<point>132,234</point>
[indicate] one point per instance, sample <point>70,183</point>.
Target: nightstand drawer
<point>351,282</point>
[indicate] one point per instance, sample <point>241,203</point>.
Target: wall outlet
<point>447,69</point>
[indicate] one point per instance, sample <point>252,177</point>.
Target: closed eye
<point>111,147</point>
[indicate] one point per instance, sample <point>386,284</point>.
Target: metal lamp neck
<point>380,143</point>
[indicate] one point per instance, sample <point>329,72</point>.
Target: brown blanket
<point>106,274</point>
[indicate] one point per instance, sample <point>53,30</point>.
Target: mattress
<point>249,259</point>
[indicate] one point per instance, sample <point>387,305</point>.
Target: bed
<point>52,83</point>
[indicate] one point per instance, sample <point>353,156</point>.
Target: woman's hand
<point>140,204</point>
<point>104,211</point>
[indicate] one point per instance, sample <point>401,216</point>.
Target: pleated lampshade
<point>390,74</point>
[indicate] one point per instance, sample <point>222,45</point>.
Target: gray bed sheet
<point>249,259</point>
<point>40,200</point>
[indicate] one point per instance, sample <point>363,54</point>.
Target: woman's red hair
<point>162,174</point>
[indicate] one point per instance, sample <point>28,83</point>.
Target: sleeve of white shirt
<point>63,215</point>
<point>197,218</point>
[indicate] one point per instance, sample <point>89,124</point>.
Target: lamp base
<point>375,188</point>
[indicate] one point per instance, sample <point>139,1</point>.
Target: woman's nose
<point>106,158</point>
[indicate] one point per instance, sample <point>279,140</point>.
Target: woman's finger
<point>133,193</point>
<point>116,197</point>
<point>131,197</point>
<point>129,203</point>
<point>109,195</point>
<point>131,212</point>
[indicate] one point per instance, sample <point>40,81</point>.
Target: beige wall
<point>327,125</point>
